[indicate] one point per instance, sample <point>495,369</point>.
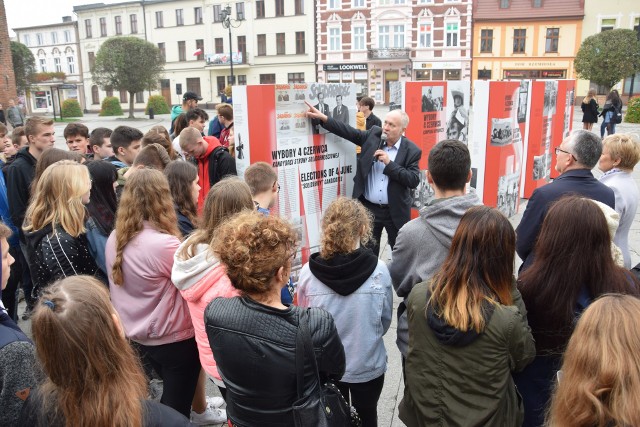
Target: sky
<point>27,13</point>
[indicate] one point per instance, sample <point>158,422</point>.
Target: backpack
<point>616,118</point>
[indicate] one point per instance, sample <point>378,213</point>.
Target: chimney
<point>66,19</point>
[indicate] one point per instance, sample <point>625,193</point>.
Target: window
<point>259,8</point>
<point>335,39</point>
<point>87,28</point>
<point>179,17</point>
<point>636,27</point>
<point>537,3</point>
<point>163,50</point>
<point>43,65</point>
<point>26,39</point>
<point>54,37</point>
<point>383,36</point>
<point>92,60</point>
<point>200,47</point>
<point>452,31</point>
<point>262,44</point>
<point>159,19</point>
<point>197,12</point>
<point>398,36</point>
<point>123,97</point>
<point>425,34</point>
<point>425,2</point>
<point>242,47</point>
<point>357,42</point>
<point>358,3</point>
<point>95,97</point>
<point>182,51</point>
<point>39,39</point>
<point>607,24</point>
<point>280,44</point>
<point>133,19</point>
<point>519,40</point>
<point>333,4</point>
<point>71,65</point>
<point>504,4</point>
<point>110,93</point>
<point>242,80</point>
<point>267,79</point>
<point>103,27</point>
<point>139,97</point>
<point>551,45</point>
<point>298,7</point>
<point>57,65</point>
<point>486,41</point>
<point>295,77</point>
<point>240,11</point>
<point>279,7</point>
<point>118,22</point>
<point>67,36</point>
<point>300,44</point>
<point>219,44</point>
<point>217,16</point>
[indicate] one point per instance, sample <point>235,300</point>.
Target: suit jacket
<point>403,173</point>
<point>342,115</point>
<point>578,181</point>
<point>324,109</point>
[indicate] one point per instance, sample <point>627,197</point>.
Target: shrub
<point>110,107</point>
<point>71,108</point>
<point>159,105</point>
<point>633,111</point>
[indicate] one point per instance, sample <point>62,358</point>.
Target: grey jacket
<point>15,117</point>
<point>421,247</point>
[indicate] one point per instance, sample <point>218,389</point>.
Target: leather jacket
<point>254,347</point>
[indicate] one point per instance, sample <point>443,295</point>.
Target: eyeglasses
<point>560,150</point>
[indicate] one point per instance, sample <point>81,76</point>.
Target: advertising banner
<point>313,166</point>
<point>501,113</point>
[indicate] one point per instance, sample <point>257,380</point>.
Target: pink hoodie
<point>200,280</point>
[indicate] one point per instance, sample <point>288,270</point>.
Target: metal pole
<point>230,52</point>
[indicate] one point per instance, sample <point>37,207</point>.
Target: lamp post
<point>225,14</point>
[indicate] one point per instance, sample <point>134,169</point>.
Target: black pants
<point>178,365</point>
<point>27,284</point>
<point>9,294</point>
<point>364,397</point>
<point>381,219</point>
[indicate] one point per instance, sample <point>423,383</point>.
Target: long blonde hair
<point>146,197</point>
<point>94,377</point>
<point>57,199</point>
<point>600,384</point>
<point>590,95</point>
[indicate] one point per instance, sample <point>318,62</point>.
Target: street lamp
<point>225,14</point>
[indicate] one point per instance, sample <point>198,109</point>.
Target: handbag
<point>324,406</point>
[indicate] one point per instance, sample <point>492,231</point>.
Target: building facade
<point>272,41</point>
<point>602,16</point>
<point>375,42</point>
<point>8,88</point>
<point>58,76</point>
<point>526,39</point>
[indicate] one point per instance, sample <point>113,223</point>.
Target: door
<point>389,76</point>
<point>165,90</point>
<point>193,85</point>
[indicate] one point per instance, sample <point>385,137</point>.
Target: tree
<point>24,66</point>
<point>130,64</point>
<point>608,57</point>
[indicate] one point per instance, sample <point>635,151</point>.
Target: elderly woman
<point>253,337</point>
<point>620,153</point>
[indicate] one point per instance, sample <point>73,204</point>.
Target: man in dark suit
<point>324,109</point>
<point>576,156</point>
<point>387,170</point>
<point>340,113</point>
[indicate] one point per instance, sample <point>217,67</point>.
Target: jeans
<point>364,397</point>
<point>607,124</point>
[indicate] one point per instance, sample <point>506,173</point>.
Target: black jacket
<point>403,172</point>
<point>18,177</point>
<point>54,255</point>
<point>254,347</point>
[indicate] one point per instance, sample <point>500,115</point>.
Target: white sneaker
<point>209,416</point>
<point>215,401</point>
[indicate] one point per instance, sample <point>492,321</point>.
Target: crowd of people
<point>142,260</point>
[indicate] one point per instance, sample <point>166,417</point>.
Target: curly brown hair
<point>253,247</point>
<point>345,223</point>
<point>146,197</point>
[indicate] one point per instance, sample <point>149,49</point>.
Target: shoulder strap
<point>305,337</point>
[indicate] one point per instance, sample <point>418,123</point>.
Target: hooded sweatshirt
<point>356,290</point>
<point>18,178</point>
<point>421,248</point>
<point>200,279</point>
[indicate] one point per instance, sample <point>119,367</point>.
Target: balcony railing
<point>389,53</point>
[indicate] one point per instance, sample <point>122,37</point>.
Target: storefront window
<point>453,74</point>
<point>437,74</point>
<point>333,77</point>
<point>423,75</point>
<point>41,99</point>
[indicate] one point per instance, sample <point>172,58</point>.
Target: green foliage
<point>159,105</point>
<point>24,65</point>
<point>130,64</point>
<point>46,76</point>
<point>633,111</point>
<point>71,108</point>
<point>110,107</point>
<point>608,57</point>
